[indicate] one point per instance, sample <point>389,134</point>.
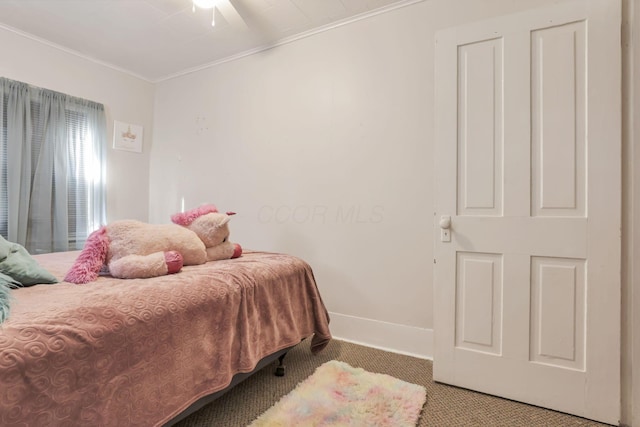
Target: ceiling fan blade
<point>231,15</point>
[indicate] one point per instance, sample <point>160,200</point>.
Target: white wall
<point>126,98</point>
<point>324,147</point>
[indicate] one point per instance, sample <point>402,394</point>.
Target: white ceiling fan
<point>225,8</point>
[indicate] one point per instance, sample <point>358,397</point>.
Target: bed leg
<point>280,368</point>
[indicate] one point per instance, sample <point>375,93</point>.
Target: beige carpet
<point>446,406</point>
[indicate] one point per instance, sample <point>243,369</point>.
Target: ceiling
<point>159,39</point>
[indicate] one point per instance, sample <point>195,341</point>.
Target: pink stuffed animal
<point>133,249</point>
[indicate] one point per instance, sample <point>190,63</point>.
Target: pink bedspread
<point>138,352</point>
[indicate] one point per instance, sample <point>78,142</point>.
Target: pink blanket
<point>138,352</point>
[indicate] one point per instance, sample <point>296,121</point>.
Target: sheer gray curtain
<point>52,179</point>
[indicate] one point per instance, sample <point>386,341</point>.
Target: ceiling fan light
<point>204,4</point>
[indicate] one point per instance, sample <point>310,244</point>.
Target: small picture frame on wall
<point>127,137</point>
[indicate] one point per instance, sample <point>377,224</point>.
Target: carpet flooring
<point>446,405</point>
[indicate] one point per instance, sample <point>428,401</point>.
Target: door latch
<point>445,228</point>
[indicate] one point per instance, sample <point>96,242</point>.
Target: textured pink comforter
<point>138,352</point>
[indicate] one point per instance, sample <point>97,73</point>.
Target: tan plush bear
<point>133,249</point>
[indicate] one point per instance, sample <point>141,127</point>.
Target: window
<point>51,167</point>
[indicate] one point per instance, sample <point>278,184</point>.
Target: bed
<point>147,352</point>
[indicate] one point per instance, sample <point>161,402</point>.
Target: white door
<point>527,273</point>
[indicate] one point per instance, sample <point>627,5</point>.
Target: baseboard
<point>403,339</point>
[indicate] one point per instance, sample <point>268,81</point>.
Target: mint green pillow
<point>6,284</point>
<point>18,264</point>
<point>9,281</point>
<point>5,248</point>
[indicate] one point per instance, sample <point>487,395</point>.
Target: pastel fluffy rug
<point>338,394</point>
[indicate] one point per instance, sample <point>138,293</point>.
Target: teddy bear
<point>131,249</point>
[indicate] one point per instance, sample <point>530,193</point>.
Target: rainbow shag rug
<point>338,394</point>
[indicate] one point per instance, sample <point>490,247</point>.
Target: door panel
<point>557,311</point>
<point>527,289</point>
<point>479,127</point>
<point>558,120</point>
<point>478,302</point>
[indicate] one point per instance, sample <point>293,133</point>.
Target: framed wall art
<point>127,137</point>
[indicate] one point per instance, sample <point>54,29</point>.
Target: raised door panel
<point>558,120</point>
<point>480,128</point>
